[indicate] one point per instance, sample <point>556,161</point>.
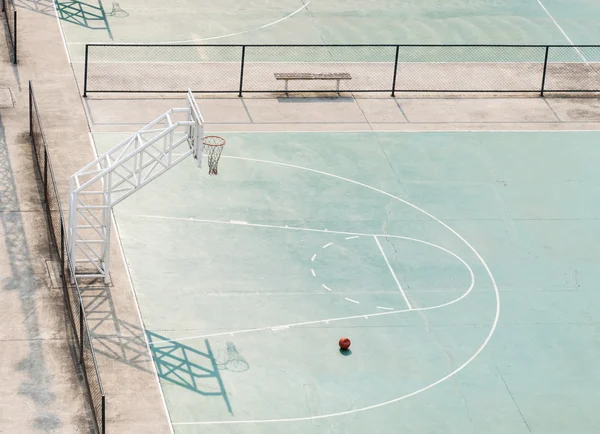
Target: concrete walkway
<point>41,390</point>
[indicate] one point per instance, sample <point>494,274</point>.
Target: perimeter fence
<point>58,245</point>
<point>171,68</point>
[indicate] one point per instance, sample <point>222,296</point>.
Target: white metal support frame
<point>99,186</point>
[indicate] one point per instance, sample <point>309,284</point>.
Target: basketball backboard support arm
<point>112,177</point>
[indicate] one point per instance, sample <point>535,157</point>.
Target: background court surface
<point>245,282</point>
<point>333,22</point>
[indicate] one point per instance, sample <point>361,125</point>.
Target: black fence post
<point>242,70</point>
<point>545,69</point>
<point>15,36</point>
<point>85,71</point>
<point>103,420</point>
<point>63,253</point>
<point>395,71</point>
<point>31,116</point>
<point>46,184</point>
<point>81,358</point>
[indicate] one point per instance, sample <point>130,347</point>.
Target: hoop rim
<point>222,141</point>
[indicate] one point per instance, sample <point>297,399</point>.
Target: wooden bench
<point>338,76</point>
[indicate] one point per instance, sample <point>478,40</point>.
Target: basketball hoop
<point>213,146</point>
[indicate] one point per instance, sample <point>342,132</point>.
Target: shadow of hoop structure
<point>45,7</point>
<point>235,362</point>
<point>10,16</point>
<point>187,367</point>
<point>179,364</point>
<point>84,15</point>
<point>117,11</point>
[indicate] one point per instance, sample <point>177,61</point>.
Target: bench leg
<point>286,88</point>
<point>338,87</point>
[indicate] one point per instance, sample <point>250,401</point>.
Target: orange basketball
<point>344,343</point>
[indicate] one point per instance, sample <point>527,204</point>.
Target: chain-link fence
<point>71,291</point>
<point>10,15</point>
<point>368,68</point>
<point>573,69</point>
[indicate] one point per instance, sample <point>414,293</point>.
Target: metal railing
<point>71,291</point>
<point>166,68</point>
<point>10,15</point>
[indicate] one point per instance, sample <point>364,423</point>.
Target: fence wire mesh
<point>10,15</point>
<point>162,68</point>
<point>573,69</point>
<point>371,68</point>
<point>71,290</point>
<point>470,68</point>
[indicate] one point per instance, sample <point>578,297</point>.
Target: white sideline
<point>561,30</point>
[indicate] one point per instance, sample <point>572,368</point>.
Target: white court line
<point>561,30</point>
<point>292,228</point>
<point>327,245</point>
<point>354,301</point>
<point>351,238</point>
<point>278,328</point>
<point>327,321</point>
<point>385,308</point>
<point>213,38</point>
<point>393,274</point>
<point>238,222</point>
<point>375,131</point>
<point>312,270</point>
<point>267,226</point>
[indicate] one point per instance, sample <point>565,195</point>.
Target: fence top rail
<point>344,45</point>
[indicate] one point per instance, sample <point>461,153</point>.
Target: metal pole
<point>242,70</point>
<point>81,358</point>
<point>395,70</point>
<point>31,119</point>
<point>63,257</point>
<point>45,175</point>
<point>15,35</point>
<point>107,197</point>
<point>85,71</point>
<point>544,73</point>
<point>103,420</point>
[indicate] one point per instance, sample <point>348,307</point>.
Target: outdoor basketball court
<point>460,264</point>
<point>451,260</point>
<point>329,22</point>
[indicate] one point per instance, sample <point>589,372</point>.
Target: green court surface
<point>331,22</point>
<point>461,265</point>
